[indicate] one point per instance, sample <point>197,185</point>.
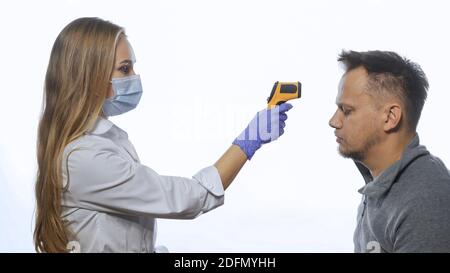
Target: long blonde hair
<point>76,84</point>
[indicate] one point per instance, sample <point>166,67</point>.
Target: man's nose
<point>335,122</point>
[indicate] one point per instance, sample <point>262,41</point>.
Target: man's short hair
<point>396,75</point>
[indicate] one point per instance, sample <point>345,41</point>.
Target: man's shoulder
<point>428,167</point>
<point>425,177</point>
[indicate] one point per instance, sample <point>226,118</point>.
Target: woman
<point>92,192</point>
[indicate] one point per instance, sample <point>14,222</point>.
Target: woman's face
<point>123,62</point>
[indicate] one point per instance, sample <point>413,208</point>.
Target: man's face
<point>357,121</point>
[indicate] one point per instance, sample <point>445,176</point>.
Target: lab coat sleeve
<point>104,180</point>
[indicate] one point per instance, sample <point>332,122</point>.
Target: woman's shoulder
<point>92,157</point>
<point>90,143</point>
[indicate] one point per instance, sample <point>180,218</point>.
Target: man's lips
<point>338,138</point>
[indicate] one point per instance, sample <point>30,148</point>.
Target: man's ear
<point>392,116</point>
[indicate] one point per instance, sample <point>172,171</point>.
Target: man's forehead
<point>352,86</point>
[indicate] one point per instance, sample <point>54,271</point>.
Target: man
<point>406,198</point>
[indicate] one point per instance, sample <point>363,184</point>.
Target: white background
<point>207,67</point>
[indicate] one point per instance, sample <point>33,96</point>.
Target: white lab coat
<point>112,200</point>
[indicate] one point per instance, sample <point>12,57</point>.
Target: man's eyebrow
<point>343,104</point>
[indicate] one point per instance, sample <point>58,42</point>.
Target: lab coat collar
<point>101,126</point>
<point>108,129</point>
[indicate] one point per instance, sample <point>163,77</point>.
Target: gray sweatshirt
<point>407,207</point>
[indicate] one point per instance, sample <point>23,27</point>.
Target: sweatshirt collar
<point>381,184</point>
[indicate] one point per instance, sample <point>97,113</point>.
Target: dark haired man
<point>406,198</point>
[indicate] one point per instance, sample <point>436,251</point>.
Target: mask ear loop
<point>114,93</point>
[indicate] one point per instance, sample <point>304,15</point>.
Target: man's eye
<point>345,111</point>
<point>125,69</point>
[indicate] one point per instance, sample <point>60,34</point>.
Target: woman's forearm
<point>229,164</point>
<point>250,140</point>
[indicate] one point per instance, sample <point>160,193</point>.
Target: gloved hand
<point>266,126</point>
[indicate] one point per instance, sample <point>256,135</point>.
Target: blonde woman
<point>93,194</point>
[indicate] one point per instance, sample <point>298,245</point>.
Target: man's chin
<point>349,154</point>
<point>343,153</point>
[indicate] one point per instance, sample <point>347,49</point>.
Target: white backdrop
<point>207,67</point>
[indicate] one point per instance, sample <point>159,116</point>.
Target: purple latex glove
<point>266,126</point>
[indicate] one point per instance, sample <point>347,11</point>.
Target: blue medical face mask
<point>127,94</point>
